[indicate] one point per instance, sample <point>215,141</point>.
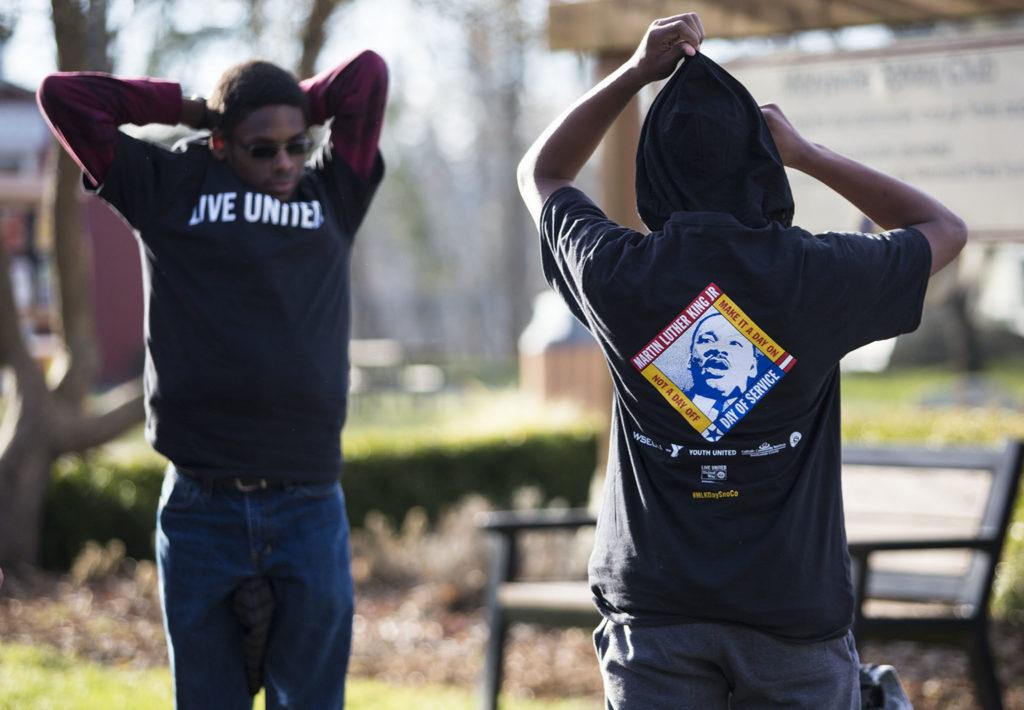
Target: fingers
<point>684,31</point>
<point>699,25</point>
<point>666,41</point>
<point>683,48</point>
<point>696,28</point>
<point>693,23</point>
<point>675,34</point>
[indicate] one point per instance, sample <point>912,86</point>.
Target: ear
<point>218,145</point>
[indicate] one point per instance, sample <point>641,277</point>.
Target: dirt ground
<point>412,636</point>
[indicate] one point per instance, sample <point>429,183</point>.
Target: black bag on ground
<point>880,689</point>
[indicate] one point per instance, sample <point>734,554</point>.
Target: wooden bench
<point>926,529</point>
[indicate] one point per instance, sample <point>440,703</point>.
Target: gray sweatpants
<point>708,666</point>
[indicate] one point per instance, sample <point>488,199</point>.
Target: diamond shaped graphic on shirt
<point>712,363</point>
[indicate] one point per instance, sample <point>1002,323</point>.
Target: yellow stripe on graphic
<point>728,308</point>
<point>674,396</point>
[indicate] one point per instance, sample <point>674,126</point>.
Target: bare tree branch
<point>118,410</point>
<point>256,19</point>
<point>314,34</point>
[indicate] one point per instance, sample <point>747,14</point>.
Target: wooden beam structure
<point>615,26</point>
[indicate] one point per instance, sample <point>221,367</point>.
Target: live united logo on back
<point>256,208</point>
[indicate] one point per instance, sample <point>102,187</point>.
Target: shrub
<point>435,476</point>
<point>97,498</point>
<point>1008,600</point>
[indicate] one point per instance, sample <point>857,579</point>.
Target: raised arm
<point>354,94</point>
<point>557,156</point>
<point>888,201</point>
<point>84,110</point>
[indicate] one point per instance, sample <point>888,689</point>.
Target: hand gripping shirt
<point>722,500</point>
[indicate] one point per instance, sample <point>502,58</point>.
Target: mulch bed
<point>412,636</point>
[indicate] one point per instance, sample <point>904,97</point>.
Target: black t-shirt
<point>247,309</point>
<point>722,499</point>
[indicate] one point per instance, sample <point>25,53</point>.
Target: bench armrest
<point>505,526</point>
<point>514,521</point>
<point>863,548</point>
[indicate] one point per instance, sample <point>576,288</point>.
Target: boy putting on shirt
<point>720,563</point>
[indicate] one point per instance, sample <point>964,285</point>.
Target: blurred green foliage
<point>433,452</point>
<point>101,498</point>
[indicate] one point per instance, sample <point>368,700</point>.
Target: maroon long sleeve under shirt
<point>85,109</point>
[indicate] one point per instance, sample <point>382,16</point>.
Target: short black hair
<point>783,217</point>
<point>251,85</point>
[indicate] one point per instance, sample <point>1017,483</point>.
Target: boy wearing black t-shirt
<point>245,239</point>
<point>720,564</point>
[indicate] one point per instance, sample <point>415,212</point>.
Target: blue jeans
<point>709,666</point>
<point>209,540</point>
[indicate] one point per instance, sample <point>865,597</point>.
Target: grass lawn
<point>917,385</point>
<point>41,678</point>
<point>934,406</point>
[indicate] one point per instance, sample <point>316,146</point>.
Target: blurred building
<point>23,146</point>
<point>559,360</point>
<point>25,151</point>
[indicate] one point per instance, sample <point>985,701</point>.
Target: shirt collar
<point>700,219</point>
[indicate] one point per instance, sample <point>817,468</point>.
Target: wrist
<point>632,76</point>
<point>808,157</point>
<point>195,113</point>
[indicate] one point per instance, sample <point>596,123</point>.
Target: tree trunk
<point>24,470</point>
<point>38,424</point>
<point>24,445</point>
<point>36,428</point>
<point>24,477</point>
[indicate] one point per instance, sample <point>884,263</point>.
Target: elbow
<point>947,240</point>
<point>374,65</point>
<point>525,176</point>
<point>957,232</point>
<point>524,172</point>
<point>49,92</point>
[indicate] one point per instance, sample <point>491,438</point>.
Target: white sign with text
<point>948,118</point>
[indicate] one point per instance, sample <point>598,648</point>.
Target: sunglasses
<point>268,151</point>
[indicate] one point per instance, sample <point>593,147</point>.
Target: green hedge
<point>95,499</point>
<point>99,499</point>
<point>560,465</point>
